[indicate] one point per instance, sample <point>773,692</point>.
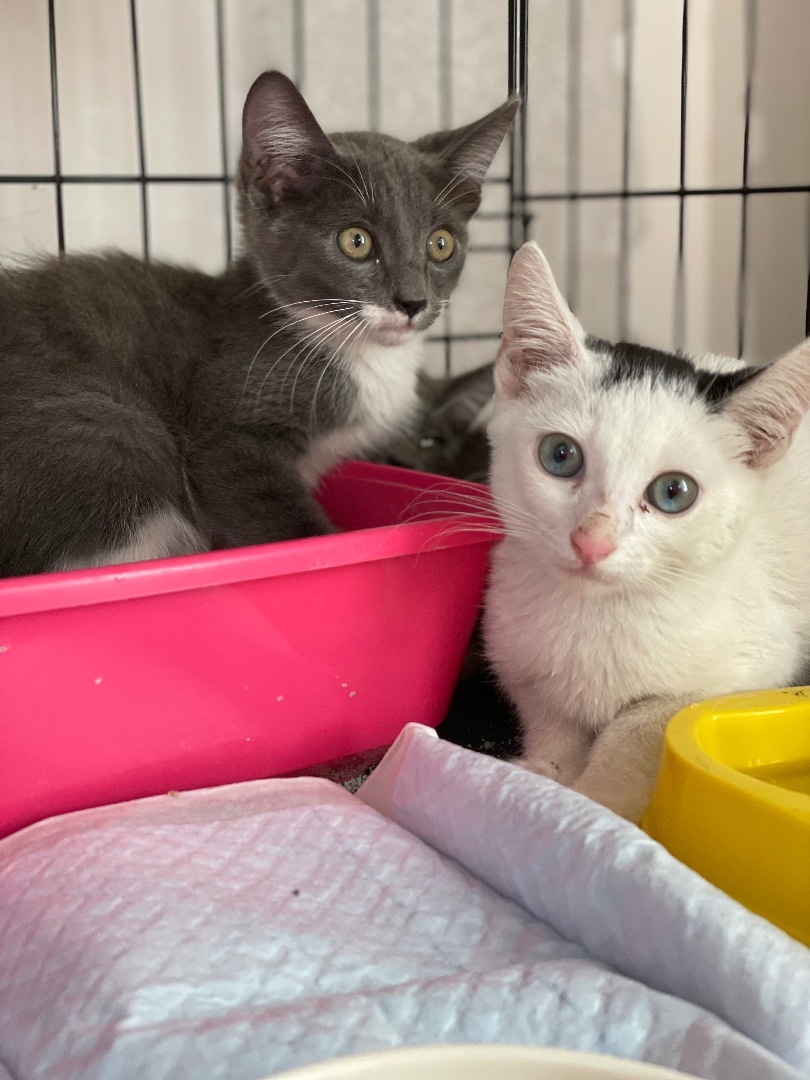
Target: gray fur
<point>448,435</point>
<point>135,393</point>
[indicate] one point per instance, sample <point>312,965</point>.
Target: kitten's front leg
<point>561,760</point>
<point>623,765</point>
<point>248,490</point>
<point>553,747</point>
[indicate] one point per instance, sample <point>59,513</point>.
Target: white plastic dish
<point>480,1062</point>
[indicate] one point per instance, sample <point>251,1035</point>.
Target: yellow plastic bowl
<point>732,800</point>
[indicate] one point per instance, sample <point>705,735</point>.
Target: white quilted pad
<point>236,932</point>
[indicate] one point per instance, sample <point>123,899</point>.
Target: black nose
<point>410,307</point>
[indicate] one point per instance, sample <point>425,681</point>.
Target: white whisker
<point>368,198</point>
<point>456,198</point>
<point>300,343</point>
<point>312,350</point>
<point>456,178</point>
<point>351,185</point>
<point>287,325</point>
<point>262,283</point>
<point>297,303</point>
<point>334,359</point>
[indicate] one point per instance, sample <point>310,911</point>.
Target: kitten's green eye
<point>440,245</point>
<point>672,493</point>
<point>355,242</point>
<point>560,455</point>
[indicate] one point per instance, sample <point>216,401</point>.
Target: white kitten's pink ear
<point>283,147</point>
<point>539,330</point>
<point>771,406</point>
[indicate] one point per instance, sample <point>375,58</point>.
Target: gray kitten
<point>150,411</point>
<point>449,433</point>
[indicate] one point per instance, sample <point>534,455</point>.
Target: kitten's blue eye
<point>672,493</point>
<point>560,455</point>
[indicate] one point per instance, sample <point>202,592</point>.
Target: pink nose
<point>590,547</point>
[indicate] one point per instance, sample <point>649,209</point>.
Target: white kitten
<point>657,550</point>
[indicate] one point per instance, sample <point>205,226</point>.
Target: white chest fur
<point>580,658</point>
<point>385,379</point>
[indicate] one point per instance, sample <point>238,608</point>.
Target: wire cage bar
<point>519,217</point>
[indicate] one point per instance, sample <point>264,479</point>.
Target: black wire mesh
<point>573,164</point>
<point>518,30</point>
<point>142,177</point>
<point>750,55</point>
<point>56,179</point>
<point>680,281</point>
<point>223,130</point>
<point>573,196</point>
<point>624,211</point>
<point>517,218</point>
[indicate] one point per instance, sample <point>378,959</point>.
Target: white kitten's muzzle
<point>595,539</point>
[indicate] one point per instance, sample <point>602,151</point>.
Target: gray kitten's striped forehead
<point>626,362</point>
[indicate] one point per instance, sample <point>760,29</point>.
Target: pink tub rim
<point>79,588</point>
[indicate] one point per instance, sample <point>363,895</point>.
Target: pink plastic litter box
<point>152,677</point>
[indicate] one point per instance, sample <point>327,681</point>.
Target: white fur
<point>711,601</point>
<point>385,377</point>
<point>163,535</point>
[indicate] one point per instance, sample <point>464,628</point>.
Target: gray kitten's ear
<point>539,330</point>
<point>770,407</point>
<point>283,146</point>
<point>467,152</point>
<point>465,396</point>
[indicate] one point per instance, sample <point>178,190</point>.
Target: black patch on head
<point>627,362</point>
